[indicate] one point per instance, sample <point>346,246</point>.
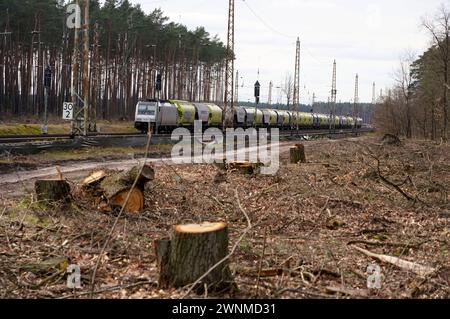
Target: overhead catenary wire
<point>282,34</point>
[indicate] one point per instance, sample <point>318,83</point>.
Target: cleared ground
<point>306,221</point>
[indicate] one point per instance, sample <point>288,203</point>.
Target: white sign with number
<point>68,111</point>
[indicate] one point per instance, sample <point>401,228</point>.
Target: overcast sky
<point>367,38</point>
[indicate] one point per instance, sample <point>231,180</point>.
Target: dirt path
<point>20,182</point>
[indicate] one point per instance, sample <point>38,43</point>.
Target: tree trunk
<point>53,191</point>
<point>298,154</point>
<point>192,252</point>
<point>114,188</point>
<point>135,204</point>
<point>119,182</point>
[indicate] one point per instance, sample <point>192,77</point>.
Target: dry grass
<point>307,215</point>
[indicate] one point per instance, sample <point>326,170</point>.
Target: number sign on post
<point>68,111</point>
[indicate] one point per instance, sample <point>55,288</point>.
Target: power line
<point>267,24</point>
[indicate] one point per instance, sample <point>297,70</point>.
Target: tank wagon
<point>170,114</point>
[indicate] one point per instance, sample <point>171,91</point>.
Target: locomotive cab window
<point>147,109</point>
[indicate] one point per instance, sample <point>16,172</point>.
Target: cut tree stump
<point>53,191</point>
<point>244,167</point>
<point>193,251</point>
<point>94,178</point>
<point>391,139</point>
<point>298,154</point>
<point>110,189</point>
<point>116,183</point>
<point>135,203</point>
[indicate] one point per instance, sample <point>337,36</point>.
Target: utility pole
<point>47,86</point>
<point>270,92</point>
<point>374,99</point>
<point>356,100</point>
<point>5,56</point>
<point>96,75</point>
<point>296,99</point>
<point>313,102</point>
<point>229,70</point>
<point>74,83</point>
<point>87,122</point>
<point>333,99</point>
<point>236,90</point>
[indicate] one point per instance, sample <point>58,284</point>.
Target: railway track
<point>27,145</point>
<point>14,139</point>
<point>19,139</point>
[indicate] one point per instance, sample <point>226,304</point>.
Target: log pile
<point>112,188</point>
<point>192,251</point>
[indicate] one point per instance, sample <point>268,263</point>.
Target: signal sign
<point>68,111</point>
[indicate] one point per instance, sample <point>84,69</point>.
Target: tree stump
<point>193,251</point>
<point>111,188</point>
<point>298,154</point>
<point>135,203</point>
<point>53,191</point>
<point>116,183</point>
<point>245,167</point>
<point>390,139</point>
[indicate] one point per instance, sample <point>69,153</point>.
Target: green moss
<point>63,128</point>
<point>246,247</point>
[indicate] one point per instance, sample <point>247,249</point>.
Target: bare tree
<point>439,28</point>
<point>404,79</point>
<point>288,88</point>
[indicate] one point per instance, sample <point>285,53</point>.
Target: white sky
<point>367,38</point>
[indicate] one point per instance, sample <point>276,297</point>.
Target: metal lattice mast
<point>236,89</point>
<point>356,100</point>
<point>270,92</point>
<point>374,99</point>
<point>75,70</point>
<point>313,102</point>
<point>229,70</point>
<point>86,60</point>
<point>333,98</point>
<point>296,99</point>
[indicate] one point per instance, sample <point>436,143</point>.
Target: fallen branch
<point>381,244</point>
<point>349,292</point>
<point>418,269</point>
<point>111,289</point>
<point>255,273</point>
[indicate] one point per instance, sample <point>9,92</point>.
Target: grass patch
<point>83,154</point>
<point>64,128</point>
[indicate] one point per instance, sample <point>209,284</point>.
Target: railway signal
<point>257,91</point>
<point>47,86</point>
<point>158,83</point>
<point>48,77</point>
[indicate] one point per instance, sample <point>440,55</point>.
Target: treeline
<point>128,48</point>
<point>418,105</point>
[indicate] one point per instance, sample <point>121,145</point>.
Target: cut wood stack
<point>116,188</point>
<point>191,253</point>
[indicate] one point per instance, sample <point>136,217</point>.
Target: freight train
<point>171,114</point>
